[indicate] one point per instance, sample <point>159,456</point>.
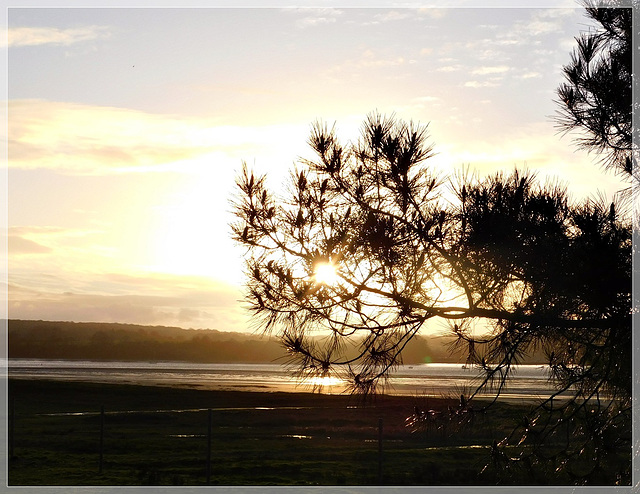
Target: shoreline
<point>250,391</point>
<point>428,380</point>
<point>292,389</point>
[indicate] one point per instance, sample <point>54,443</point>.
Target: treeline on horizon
<point>117,341</point>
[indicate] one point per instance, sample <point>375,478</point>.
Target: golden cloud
<point>33,36</point>
<point>83,139</point>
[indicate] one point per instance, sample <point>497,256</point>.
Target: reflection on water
<point>471,446</point>
<point>528,381</point>
<point>327,381</point>
<point>173,410</point>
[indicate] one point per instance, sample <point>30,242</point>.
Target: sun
<point>325,273</point>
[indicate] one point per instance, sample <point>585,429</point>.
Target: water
<point>528,382</point>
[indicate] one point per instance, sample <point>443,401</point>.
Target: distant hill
<point>114,341</point>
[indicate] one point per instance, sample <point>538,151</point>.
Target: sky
<point>127,128</point>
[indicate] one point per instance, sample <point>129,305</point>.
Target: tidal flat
<point>152,435</point>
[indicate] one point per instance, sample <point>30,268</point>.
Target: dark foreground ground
<point>160,436</point>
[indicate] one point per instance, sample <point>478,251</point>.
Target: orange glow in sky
<point>127,127</point>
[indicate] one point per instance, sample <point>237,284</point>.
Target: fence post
<point>209,427</point>
<point>12,419</point>
<point>101,439</point>
<point>380,451</point>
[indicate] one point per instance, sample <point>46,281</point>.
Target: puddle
<point>118,412</point>
<point>186,410</point>
<point>472,446</point>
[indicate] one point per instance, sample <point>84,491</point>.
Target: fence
<point>103,437</point>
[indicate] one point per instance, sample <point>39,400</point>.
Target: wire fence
<point>220,439</point>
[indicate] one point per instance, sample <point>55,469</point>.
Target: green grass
<point>250,446</point>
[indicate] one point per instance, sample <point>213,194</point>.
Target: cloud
<point>433,12</point>
<point>509,41</point>
<point>19,245</point>
<point>478,84</point>
<point>368,61</point>
<point>312,17</point>
<point>144,299</point>
<point>74,138</point>
<point>35,250</point>
<point>34,36</point>
<point>538,27</point>
<point>530,75</point>
<point>83,138</point>
<point>389,15</point>
<point>60,260</point>
<point>532,29</point>
<point>449,68</point>
<point>43,240</point>
<point>492,54</point>
<point>490,70</point>
<point>450,64</point>
<point>542,22</point>
<point>394,15</point>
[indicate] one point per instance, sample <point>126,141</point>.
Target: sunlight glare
<point>191,231</point>
<point>328,381</point>
<point>326,274</point>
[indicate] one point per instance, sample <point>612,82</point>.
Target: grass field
<point>160,436</point>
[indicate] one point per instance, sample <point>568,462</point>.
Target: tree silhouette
<point>509,263</point>
<point>597,95</point>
